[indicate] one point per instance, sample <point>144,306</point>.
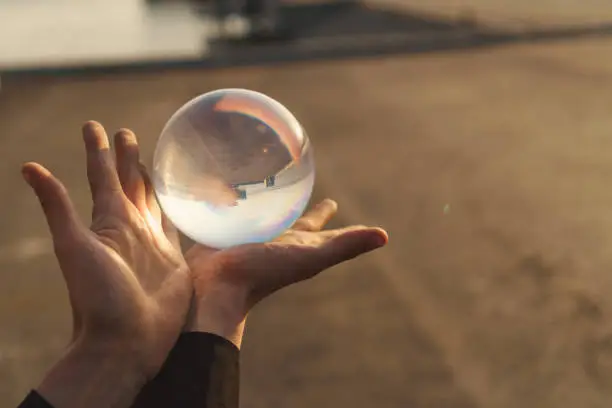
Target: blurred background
<point>478,132</point>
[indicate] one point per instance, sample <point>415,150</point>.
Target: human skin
<point>229,283</point>
<point>132,291</point>
<point>129,287</point>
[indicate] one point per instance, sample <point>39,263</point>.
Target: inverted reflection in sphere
<point>231,167</point>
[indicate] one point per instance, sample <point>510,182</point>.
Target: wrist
<point>231,331</point>
<point>92,376</point>
<point>219,311</point>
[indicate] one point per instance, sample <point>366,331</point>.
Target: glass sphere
<point>231,167</point>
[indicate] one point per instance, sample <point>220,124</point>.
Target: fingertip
<point>91,125</point>
<point>380,237</point>
<point>52,195</point>
<point>126,137</point>
<point>28,167</point>
<point>350,242</point>
<point>371,237</point>
<point>94,135</point>
<point>31,171</point>
<point>331,204</point>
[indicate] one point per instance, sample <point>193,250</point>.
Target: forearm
<point>202,371</point>
<point>91,378</point>
<point>203,368</point>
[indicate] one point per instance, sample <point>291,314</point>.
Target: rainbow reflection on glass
<point>231,167</point>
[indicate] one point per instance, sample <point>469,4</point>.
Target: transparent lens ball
<point>232,167</point>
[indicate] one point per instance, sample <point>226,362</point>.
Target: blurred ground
<point>489,168</point>
<point>519,14</point>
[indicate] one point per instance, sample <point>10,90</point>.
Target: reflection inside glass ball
<point>232,167</point>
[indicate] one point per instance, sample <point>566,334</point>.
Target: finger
<point>101,171</point>
<point>62,218</point>
<point>344,244</point>
<point>170,231</point>
<point>149,194</point>
<point>301,262</point>
<point>318,217</point>
<point>128,170</point>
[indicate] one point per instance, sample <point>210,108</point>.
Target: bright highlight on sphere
<point>231,167</point>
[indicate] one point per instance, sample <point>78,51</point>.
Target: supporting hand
<point>129,287</point>
<point>228,283</point>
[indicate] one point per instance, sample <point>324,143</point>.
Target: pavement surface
<point>517,14</point>
<point>489,168</point>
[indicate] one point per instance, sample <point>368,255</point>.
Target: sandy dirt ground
<point>491,170</point>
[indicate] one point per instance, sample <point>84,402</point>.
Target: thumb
<point>59,211</point>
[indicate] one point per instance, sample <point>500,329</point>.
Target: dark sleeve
<point>202,371</point>
<point>34,400</point>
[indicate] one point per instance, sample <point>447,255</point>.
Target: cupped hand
<point>129,286</point>
<point>228,283</point>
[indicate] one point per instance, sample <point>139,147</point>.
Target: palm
<point>145,269</point>
<point>299,254</point>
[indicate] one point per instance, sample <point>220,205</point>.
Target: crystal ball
<point>232,167</point>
